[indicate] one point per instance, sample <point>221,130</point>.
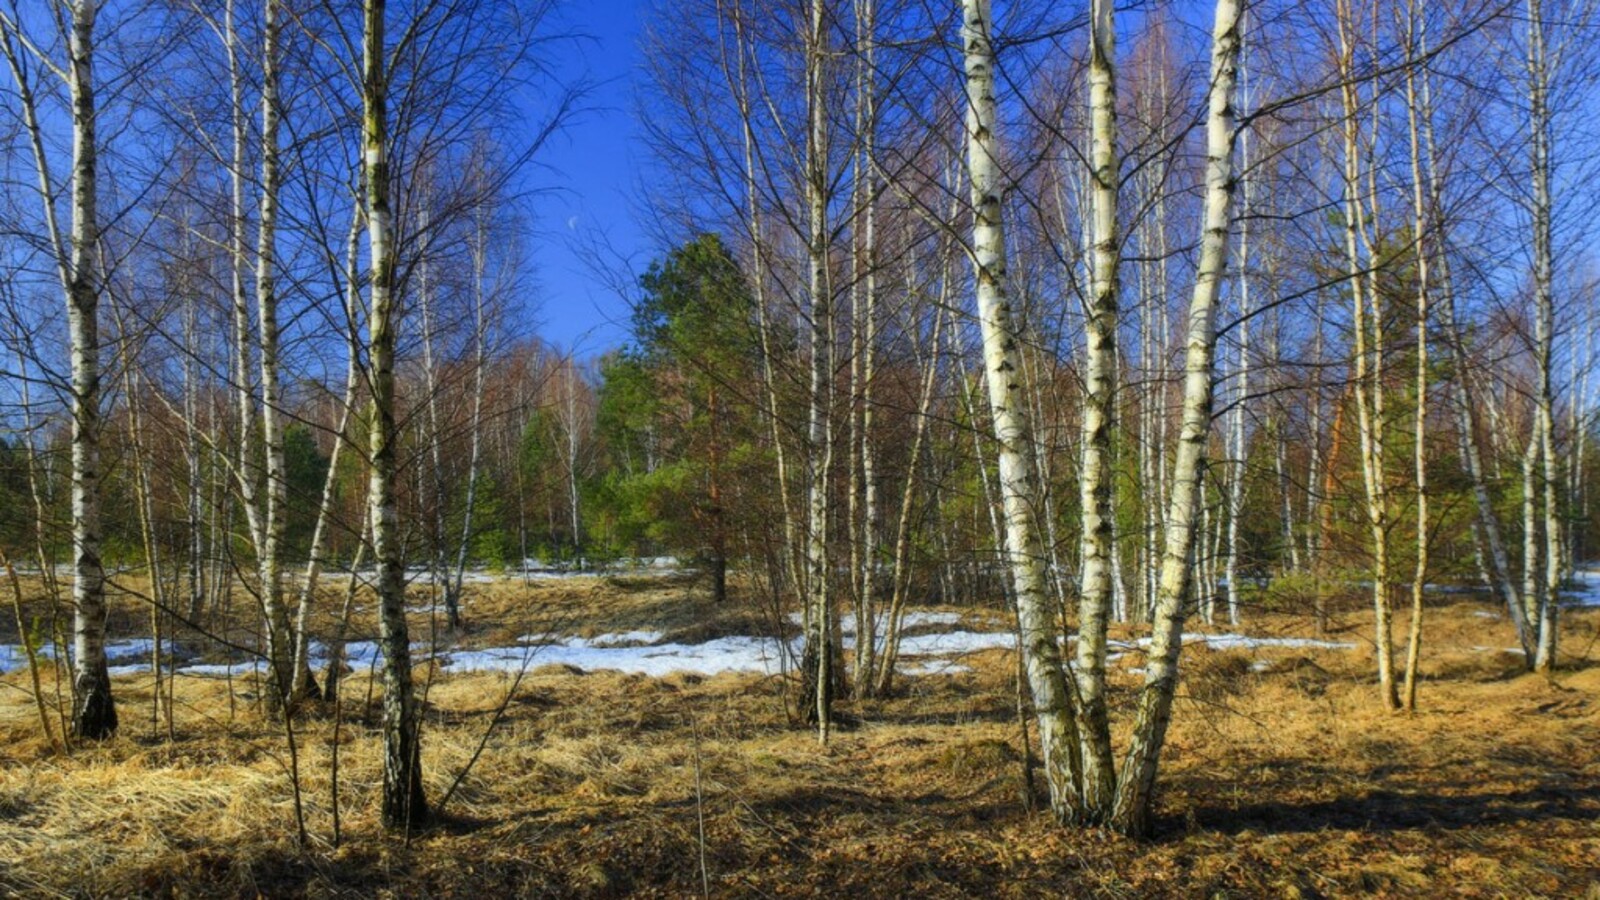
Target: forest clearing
<point>824,447</point>
<point>1284,780</point>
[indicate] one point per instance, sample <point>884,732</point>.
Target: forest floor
<point>1281,777</point>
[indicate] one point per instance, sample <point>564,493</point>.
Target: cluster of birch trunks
<point>1127,468</point>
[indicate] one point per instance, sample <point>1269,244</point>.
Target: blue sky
<point>591,169</point>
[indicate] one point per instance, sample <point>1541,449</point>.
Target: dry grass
<point>1284,782</point>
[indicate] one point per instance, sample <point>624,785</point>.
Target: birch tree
<point>403,804</point>
<point>1541,447</point>
<point>1367,322</point>
<point>95,715</point>
<point>1238,449</point>
<point>1132,811</point>
<point>1468,413</point>
<point>1417,39</point>
<point>863,359</point>
<point>303,684</point>
<point>274,516</point>
<point>817,695</point>
<point>79,269</point>
<point>1003,374</point>
<point>1100,375</point>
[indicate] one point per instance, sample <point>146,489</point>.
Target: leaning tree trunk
<point>430,376</point>
<point>878,684</point>
<point>247,465</point>
<point>1368,352</point>
<point>1136,787</point>
<point>304,683</point>
<point>403,803</point>
<point>1467,414</point>
<point>480,352</point>
<point>1003,373</point>
<point>739,78</point>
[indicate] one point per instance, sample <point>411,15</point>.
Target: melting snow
<point>952,643</point>
<point>912,619</point>
<point>1586,588</point>
<point>641,652</point>
<point>727,654</point>
<point>1246,642</point>
<point>933,667</point>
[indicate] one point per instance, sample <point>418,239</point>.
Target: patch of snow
<point>212,670</point>
<point>952,643</point>
<point>419,575</point>
<point>622,637</point>
<point>727,654</point>
<point>933,667</point>
<point>1247,642</point>
<point>919,618</point>
<point>1585,589</point>
<point>912,619</point>
<point>552,576</point>
<point>129,649</point>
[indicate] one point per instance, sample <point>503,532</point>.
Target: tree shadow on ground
<point>1390,810</point>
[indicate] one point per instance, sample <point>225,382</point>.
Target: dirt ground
<point>1281,777</point>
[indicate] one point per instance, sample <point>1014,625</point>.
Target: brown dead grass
<point>1284,782</point>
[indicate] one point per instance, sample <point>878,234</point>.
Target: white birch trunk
<point>1136,787</point>
<point>883,678</point>
<point>738,78</point>
<point>1100,375</point>
<point>319,532</point>
<point>1420,226</point>
<point>430,377</point>
<point>574,513</point>
<point>247,470</point>
<point>280,652</point>
<point>1368,363</point>
<point>1498,559</point>
<point>867,325</point>
<point>1544,330</point>
<point>403,803</point>
<point>1237,449</point>
<point>480,352</point>
<point>94,716</point>
<point>77,265</point>
<point>1013,432</point>
<point>817,696</point>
